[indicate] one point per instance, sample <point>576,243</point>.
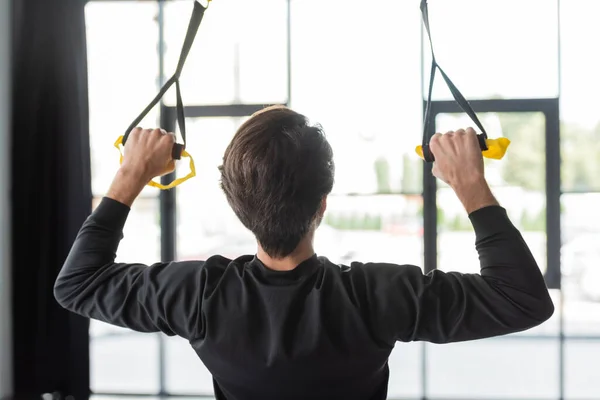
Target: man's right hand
<point>459,163</point>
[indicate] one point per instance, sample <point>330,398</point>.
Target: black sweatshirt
<point>320,331</point>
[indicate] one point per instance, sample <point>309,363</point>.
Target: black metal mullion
<point>166,197</point>
<point>168,239</point>
<point>553,227</point>
<point>429,236</point>
<point>553,194</point>
<point>430,207</point>
<point>499,105</point>
<point>225,110</point>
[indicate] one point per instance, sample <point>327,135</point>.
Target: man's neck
<point>303,252</point>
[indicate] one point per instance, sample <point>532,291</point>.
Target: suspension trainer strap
<point>192,30</point>
<point>460,99</point>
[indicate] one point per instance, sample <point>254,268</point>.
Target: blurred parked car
<point>581,265</point>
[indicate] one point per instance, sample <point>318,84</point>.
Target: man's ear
<point>323,207</point>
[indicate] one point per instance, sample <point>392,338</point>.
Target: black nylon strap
<point>192,30</point>
<point>460,99</point>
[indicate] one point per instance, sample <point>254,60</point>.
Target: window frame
<point>548,106</point>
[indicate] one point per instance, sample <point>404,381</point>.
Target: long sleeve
<point>508,295</point>
<point>162,297</point>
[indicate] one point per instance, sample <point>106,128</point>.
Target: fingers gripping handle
<point>428,155</point>
<point>490,148</point>
<point>179,151</point>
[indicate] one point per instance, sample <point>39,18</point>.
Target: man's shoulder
<point>366,266</point>
<point>221,263</point>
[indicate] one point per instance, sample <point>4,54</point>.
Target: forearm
<point>474,194</point>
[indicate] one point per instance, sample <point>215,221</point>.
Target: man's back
<point>317,331</point>
<point>292,325</point>
<point>289,334</point>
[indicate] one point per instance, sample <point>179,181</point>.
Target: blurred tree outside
<point>525,160</point>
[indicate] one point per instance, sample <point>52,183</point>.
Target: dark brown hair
<point>275,172</point>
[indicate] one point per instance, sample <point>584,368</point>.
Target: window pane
<point>581,369</point>
<point>119,87</point>
<point>490,50</point>
<point>406,367</point>
<point>518,182</point>
<point>500,368</point>
<point>375,228</point>
<point>580,119</point>
<point>122,360</point>
<point>185,372</point>
<point>580,264</point>
<point>206,223</point>
<point>239,55</point>
<point>528,360</point>
<point>361,81</point>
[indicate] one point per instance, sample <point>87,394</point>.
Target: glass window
<point>494,49</point>
<point>361,81</point>
<point>406,371</point>
<point>121,360</point>
<point>122,78</point>
<point>501,368</point>
<point>580,119</point>
<point>239,56</point>
<point>518,182</point>
<point>581,369</point>
<point>206,223</point>
<point>185,372</point>
<point>372,228</point>
<point>580,264</point>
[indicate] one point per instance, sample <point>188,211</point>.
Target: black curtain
<point>51,193</point>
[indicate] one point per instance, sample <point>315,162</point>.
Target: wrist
<point>126,186</point>
<point>474,194</point>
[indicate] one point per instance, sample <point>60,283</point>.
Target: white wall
<point>5,296</point>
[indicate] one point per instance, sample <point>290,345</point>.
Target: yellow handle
<point>176,182</point>
<point>496,148</point>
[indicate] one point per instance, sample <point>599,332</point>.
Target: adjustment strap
<point>192,30</point>
<point>458,97</point>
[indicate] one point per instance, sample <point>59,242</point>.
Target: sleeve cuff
<point>111,214</point>
<point>490,220</point>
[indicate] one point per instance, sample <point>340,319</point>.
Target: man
<point>284,323</point>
